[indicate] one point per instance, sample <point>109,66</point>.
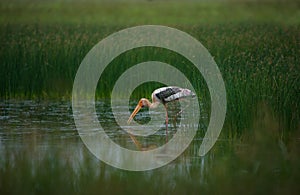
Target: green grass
<point>256,47</point>
<point>258,62</point>
<point>116,12</point>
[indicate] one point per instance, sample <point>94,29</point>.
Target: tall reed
<point>259,63</point>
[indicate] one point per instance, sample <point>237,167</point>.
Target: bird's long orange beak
<point>136,110</point>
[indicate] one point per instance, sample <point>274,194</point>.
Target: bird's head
<point>143,102</point>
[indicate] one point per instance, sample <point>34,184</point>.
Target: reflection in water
<point>41,152</point>
<point>41,131</point>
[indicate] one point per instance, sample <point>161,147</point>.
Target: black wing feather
<point>163,95</point>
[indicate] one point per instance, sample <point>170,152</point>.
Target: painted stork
<point>162,95</point>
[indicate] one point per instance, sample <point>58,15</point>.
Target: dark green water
<point>42,153</point>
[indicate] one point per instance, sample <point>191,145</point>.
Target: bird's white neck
<point>147,103</point>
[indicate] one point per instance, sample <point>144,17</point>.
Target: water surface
<point>41,152</point>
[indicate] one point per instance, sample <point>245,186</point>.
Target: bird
<point>163,95</point>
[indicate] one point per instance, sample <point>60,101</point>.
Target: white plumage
<point>162,95</point>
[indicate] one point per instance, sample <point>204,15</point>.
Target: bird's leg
<point>167,121</point>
